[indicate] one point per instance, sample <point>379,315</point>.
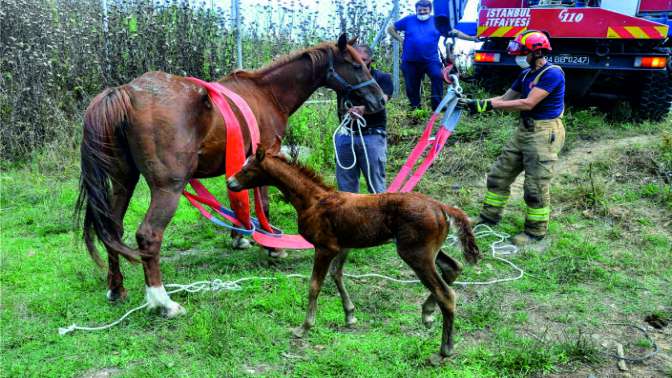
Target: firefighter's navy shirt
<point>553,82</point>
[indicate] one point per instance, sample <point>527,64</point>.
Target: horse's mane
<point>305,171</point>
<point>316,54</point>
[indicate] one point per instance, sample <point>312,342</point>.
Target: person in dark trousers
<point>374,135</point>
<point>420,55</point>
<point>539,95</point>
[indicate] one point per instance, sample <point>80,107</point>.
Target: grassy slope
<point>608,259</point>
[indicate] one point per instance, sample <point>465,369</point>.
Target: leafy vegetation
<point>56,55</point>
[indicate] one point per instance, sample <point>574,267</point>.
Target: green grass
<point>607,260</point>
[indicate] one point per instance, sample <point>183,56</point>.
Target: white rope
<point>360,123</point>
<point>498,248</point>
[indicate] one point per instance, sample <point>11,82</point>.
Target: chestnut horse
<point>165,128</point>
<point>336,221</point>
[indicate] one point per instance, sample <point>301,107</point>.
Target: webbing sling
<point>241,221</point>
<point>448,123</point>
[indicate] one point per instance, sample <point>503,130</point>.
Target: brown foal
<point>336,221</point>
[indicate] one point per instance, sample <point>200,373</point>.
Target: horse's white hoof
<point>241,243</point>
<point>158,299</point>
<point>173,310</point>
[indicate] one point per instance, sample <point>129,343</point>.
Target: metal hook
<point>456,84</point>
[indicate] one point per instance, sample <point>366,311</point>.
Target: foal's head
<point>254,172</point>
<point>271,167</point>
<point>348,75</point>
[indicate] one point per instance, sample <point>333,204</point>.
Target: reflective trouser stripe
<point>494,199</point>
<point>539,215</point>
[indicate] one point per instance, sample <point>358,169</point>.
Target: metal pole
<point>395,53</point>
<point>106,31</point>
<point>381,32</point>
<point>235,13</point>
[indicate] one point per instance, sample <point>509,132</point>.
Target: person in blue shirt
<point>420,54</point>
<point>538,94</point>
<point>372,163</point>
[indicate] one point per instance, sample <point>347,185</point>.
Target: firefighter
<point>538,94</point>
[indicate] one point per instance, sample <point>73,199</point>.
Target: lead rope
<point>360,122</point>
<point>498,249</point>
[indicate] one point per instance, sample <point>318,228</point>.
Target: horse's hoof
<point>277,253</point>
<point>428,320</point>
<point>241,243</point>
<point>116,296</point>
<point>436,359</point>
<point>299,332</point>
<point>351,321</point>
<point>173,310</point>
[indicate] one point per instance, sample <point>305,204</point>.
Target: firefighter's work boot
<point>475,221</point>
<point>523,239</point>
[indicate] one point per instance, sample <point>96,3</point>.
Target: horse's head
<point>253,174</point>
<point>348,75</point>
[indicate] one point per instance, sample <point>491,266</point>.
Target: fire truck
<point>609,49</point>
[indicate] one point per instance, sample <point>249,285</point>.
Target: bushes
<point>55,55</point>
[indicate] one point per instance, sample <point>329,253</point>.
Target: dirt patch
<point>574,160</point>
<point>102,373</point>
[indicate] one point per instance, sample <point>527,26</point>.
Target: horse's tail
<point>464,232</point>
<point>104,123</point>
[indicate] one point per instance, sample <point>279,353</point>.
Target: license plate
<point>569,60</point>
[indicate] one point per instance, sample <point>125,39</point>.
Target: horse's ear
<point>277,145</point>
<point>342,42</point>
<point>353,41</point>
<point>261,153</point>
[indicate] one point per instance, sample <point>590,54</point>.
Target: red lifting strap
<point>235,148</point>
<point>235,159</point>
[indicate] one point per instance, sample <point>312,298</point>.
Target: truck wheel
<point>655,97</point>
<point>494,79</point>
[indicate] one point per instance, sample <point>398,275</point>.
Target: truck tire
<point>655,97</point>
<point>495,80</point>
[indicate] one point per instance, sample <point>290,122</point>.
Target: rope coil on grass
<point>498,248</point>
<point>636,359</point>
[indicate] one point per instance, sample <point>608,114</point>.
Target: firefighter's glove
<point>474,106</point>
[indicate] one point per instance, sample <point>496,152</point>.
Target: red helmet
<point>527,42</point>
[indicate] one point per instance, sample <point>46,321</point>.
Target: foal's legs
<point>337,275</point>
<point>421,260</point>
<point>450,270</point>
<point>323,257</point>
<point>122,190</point>
<point>149,236</point>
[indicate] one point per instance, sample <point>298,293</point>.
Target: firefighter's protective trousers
<point>534,149</point>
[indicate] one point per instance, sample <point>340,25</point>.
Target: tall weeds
<point>56,54</point>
